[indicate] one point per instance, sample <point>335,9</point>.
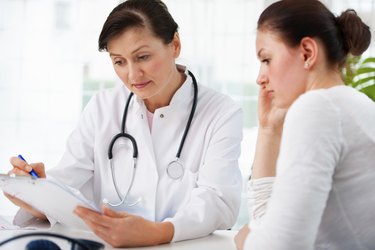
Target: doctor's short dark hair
<point>293,20</point>
<point>152,14</point>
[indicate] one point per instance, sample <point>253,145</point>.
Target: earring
<point>306,65</point>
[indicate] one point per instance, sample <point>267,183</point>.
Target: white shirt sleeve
<point>309,152</point>
<point>258,195</point>
<point>25,220</point>
<point>76,167</point>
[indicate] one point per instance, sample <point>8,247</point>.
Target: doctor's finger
<point>105,235</point>
<point>25,206</point>
<point>17,171</point>
<point>97,229</point>
<point>93,218</point>
<point>18,202</point>
<point>20,164</point>
<point>39,169</point>
<point>113,239</point>
<point>111,213</point>
<point>17,163</point>
<point>103,232</point>
<point>113,235</point>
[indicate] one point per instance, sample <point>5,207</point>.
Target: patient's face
<point>282,72</point>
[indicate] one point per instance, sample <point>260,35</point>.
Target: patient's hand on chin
<point>25,206</point>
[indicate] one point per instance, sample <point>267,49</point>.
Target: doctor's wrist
<point>164,232</point>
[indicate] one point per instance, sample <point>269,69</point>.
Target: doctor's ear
<point>309,51</point>
<point>176,45</point>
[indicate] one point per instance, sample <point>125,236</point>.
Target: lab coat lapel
<point>143,131</point>
<point>169,125</point>
<point>146,176</point>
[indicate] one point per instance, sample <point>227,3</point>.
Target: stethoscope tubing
<point>122,134</point>
<point>194,105</point>
<point>72,240</point>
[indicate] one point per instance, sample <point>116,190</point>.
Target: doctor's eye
<point>117,62</point>
<point>143,57</point>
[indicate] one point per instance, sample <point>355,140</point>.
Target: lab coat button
<point>161,116</point>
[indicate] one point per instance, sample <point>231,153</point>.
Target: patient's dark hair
<point>152,14</point>
<point>293,20</point>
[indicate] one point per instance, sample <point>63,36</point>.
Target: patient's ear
<point>309,52</point>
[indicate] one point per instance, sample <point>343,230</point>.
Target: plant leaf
<point>363,80</point>
<point>369,60</point>
<point>369,91</point>
<point>365,70</point>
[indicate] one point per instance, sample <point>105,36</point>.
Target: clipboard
<point>52,198</point>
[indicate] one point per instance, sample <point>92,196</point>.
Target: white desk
<point>219,240</point>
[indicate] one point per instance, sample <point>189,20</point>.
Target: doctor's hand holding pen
<point>21,167</point>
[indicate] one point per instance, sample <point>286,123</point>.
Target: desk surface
<point>219,240</point>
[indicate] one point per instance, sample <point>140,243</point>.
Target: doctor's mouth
<point>140,85</point>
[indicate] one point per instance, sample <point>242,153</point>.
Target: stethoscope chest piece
<point>175,170</point>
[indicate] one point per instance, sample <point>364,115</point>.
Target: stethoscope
<point>175,169</point>
<point>43,243</point>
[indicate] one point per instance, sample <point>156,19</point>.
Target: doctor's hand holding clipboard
<point>21,167</point>
<point>159,151</point>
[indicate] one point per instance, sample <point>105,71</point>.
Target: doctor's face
<point>281,72</point>
<point>144,63</point>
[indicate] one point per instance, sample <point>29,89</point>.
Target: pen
<point>32,172</point>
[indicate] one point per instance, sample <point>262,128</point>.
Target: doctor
<point>160,151</point>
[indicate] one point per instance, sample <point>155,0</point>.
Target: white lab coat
<point>208,195</point>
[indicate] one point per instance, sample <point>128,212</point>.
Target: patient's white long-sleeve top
<point>324,194</point>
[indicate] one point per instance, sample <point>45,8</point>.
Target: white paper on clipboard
<point>52,198</point>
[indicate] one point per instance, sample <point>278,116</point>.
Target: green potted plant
<point>359,73</point>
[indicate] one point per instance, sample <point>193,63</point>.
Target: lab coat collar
<point>185,93</point>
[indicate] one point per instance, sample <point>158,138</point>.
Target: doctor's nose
<point>134,73</point>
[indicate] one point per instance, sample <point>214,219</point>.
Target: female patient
<point>323,193</point>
